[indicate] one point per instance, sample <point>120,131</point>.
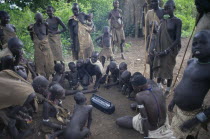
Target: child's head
<point>59,68</point>
<point>122,67</point>
<point>89,17</point>
<point>112,66</point>
<point>57,91</point>
<point>106,29</point>
<point>72,67</point>
<point>80,98</point>
<point>80,63</point>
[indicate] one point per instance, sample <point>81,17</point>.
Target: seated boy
<point>81,117</point>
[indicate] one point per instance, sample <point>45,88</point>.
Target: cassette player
<point>102,104</point>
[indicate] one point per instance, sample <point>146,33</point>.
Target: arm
<point>47,28</point>
<point>31,70</point>
<point>89,118</point>
<point>171,105</point>
<point>30,29</point>
<point>98,77</point>
<point>109,19</point>
<point>46,120</point>
<point>63,26</point>
<point>1,37</point>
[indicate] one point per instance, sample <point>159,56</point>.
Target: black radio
<point>102,104</point>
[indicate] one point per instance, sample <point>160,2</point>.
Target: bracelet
<point>201,117</point>
<point>140,106</point>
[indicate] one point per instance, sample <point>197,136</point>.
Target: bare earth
<point>103,126</point>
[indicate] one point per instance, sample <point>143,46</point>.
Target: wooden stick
<point>183,58</point>
<point>145,64</point>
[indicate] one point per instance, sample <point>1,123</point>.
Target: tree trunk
<point>132,14</point>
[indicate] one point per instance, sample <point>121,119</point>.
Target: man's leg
<point>168,89</point>
<point>121,48</point>
<point>125,122</point>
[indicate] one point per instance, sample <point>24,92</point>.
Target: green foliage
<point>186,11</point>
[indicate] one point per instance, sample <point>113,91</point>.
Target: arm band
<point>140,106</point>
<point>201,117</point>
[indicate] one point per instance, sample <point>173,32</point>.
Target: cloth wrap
<point>163,132</point>
<point>14,89</point>
<point>56,46</point>
<point>149,19</point>
<point>204,23</point>
<point>86,46</point>
<point>98,63</point>
<point>179,118</point>
<point>117,29</point>
<point>43,57</point>
<point>7,34</point>
<point>163,66</point>
<point>5,52</point>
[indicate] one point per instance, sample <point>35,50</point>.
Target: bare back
<point>155,106</point>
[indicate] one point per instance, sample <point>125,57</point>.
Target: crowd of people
<point>20,98</point>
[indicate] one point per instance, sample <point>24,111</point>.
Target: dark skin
<point>59,75</point>
<point>174,26</point>
<point>113,78</point>
<point>57,93</point>
<point>54,22</point>
<point>195,80</point>
<point>154,4</point>
<point>15,46</point>
<point>5,19</point>
<point>40,27</point>
<point>116,14</point>
<point>19,119</point>
<point>72,76</point>
<point>7,63</point>
<point>203,7</point>
<point>153,120</point>
<point>105,41</point>
<point>126,84</point>
<point>82,114</point>
<point>84,78</point>
<point>73,29</point>
<point>151,46</point>
<point>94,70</point>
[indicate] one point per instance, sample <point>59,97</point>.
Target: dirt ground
<point>103,126</point>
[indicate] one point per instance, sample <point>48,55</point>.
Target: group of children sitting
<point>56,120</point>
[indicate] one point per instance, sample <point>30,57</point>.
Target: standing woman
<point>54,34</point>
<point>169,44</point>
<point>7,31</point>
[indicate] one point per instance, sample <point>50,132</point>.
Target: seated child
<point>81,117</point>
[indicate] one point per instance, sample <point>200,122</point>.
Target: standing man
<point>116,26</point>
<point>42,55</point>
<point>82,45</point>
<point>54,34</point>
